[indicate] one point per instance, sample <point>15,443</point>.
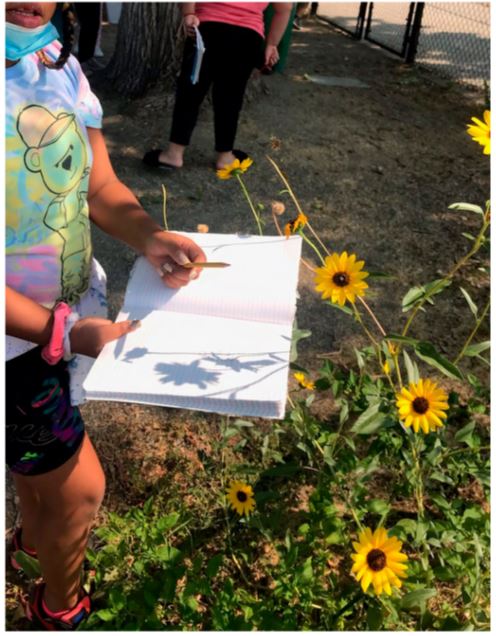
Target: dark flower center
<point>341,279</point>
<point>420,405</point>
<point>376,560</point>
<point>242,496</point>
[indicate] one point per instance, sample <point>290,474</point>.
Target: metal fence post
<point>361,20</point>
<point>415,33</point>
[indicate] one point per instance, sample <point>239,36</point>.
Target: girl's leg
<point>69,498</point>
<point>189,98</point>
<point>229,87</point>
<point>29,506</point>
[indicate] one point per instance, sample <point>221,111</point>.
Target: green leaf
<point>243,423</point>
<point>477,348</point>
<point>360,358</point>
<point>374,617</point>
<point>465,434</point>
<point>168,554</point>
<point>322,384</point>
<point>344,308</point>
<point>440,501</point>
<point>307,571</point>
<point>411,368</point>
<point>468,236</point>
<point>417,598</point>
<point>409,526</point>
<point>418,293</point>
<point>297,335</point>
<point>470,302</point>
<point>469,207</point>
<point>382,275</point>
<point>412,296</point>
<point>438,285</point>
<point>117,598</point>
<point>369,421</point>
<point>105,615</point>
<point>379,506</point>
<point>30,566</point>
<point>344,413</point>
<point>167,522</point>
<point>401,339</point>
<point>283,470</point>
<point>191,603</point>
<point>426,352</point>
<point>214,564</point>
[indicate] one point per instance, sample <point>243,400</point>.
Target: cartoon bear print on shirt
<point>57,150</point>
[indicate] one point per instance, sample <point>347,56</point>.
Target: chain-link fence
<point>455,40</point>
<point>388,25</point>
<point>342,14</point>
<point>452,38</point>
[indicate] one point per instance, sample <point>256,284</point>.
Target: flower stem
<point>398,370</point>
<point>312,245</point>
<point>473,332</point>
<point>250,203</point>
<point>372,315</point>
<point>419,484</point>
<point>279,231</point>
<point>164,207</point>
<point>296,202</point>
<point>276,223</point>
<point>475,248</point>
<point>362,324</point>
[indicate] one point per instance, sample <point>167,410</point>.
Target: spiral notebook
<point>220,344</point>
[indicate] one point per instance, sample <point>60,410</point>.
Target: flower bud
<point>277,207</point>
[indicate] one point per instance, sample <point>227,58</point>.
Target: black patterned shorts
<point>43,430</point>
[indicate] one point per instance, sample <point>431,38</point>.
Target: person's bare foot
<point>224,159</point>
<point>171,158</point>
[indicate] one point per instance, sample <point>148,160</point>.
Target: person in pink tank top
<point>235,44</point>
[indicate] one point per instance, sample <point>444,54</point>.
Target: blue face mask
<point>20,41</point>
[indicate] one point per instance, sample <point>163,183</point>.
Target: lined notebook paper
<point>220,344</point>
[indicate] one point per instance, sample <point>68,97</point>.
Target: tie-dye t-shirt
<point>48,161</point>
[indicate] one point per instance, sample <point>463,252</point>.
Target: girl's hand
<point>271,55</point>
<point>167,252</point>
<point>89,335</point>
<point>190,21</point>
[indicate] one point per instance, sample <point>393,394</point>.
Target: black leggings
<point>231,53</point>
<point>88,15</point>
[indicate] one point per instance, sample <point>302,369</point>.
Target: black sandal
<point>240,154</point>
<point>151,159</point>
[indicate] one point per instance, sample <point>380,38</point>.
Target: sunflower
<point>234,168</point>
<point>240,496</point>
<point>294,225</point>
<point>422,405</point>
<point>341,279</point>
<point>303,382</point>
<point>480,131</point>
<point>378,560</point>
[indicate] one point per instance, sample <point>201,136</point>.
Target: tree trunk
<point>147,46</point>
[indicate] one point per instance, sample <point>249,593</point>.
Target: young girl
<point>59,177</point>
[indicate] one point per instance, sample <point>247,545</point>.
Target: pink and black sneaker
<point>66,620</point>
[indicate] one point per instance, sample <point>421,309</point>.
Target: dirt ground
<point>374,169</point>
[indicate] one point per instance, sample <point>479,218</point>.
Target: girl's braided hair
<point>68,21</point>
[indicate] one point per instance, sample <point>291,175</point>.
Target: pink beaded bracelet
<point>54,350</point>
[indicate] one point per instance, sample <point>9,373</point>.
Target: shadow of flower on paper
<point>192,373</point>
